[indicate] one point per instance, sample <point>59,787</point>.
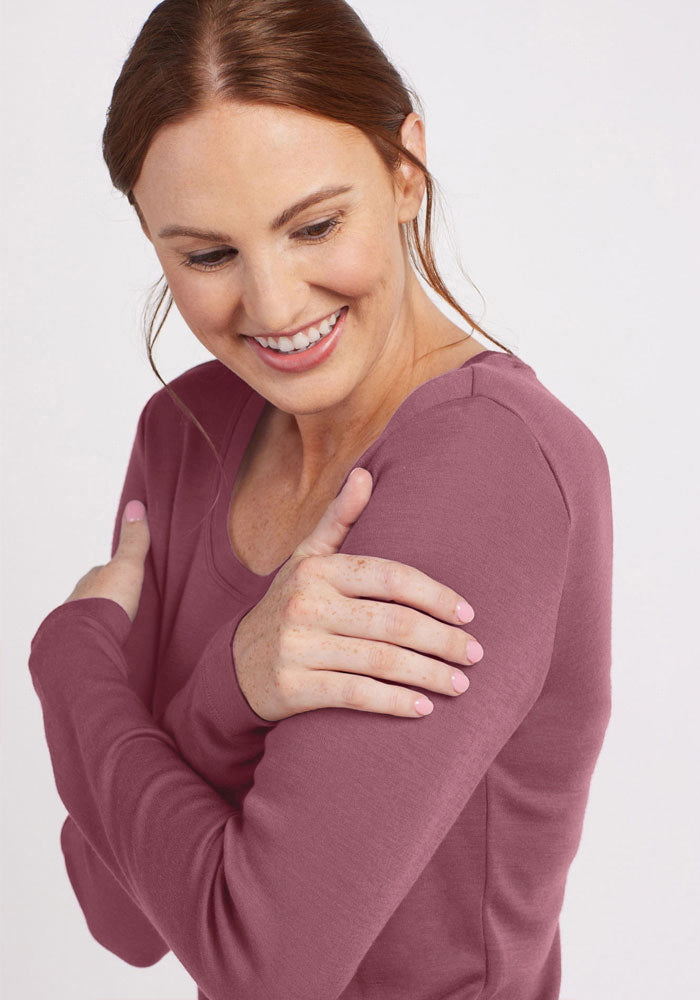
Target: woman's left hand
<point>121,580</point>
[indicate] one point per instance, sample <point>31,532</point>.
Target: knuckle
<point>306,569</point>
<point>381,659</point>
<point>334,560</point>
<point>395,577</point>
<point>399,621</point>
<point>400,701</point>
<point>290,606</point>
<point>350,692</point>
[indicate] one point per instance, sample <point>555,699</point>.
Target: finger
<point>388,580</point>
<point>134,536</point>
<point>401,626</point>
<point>339,516</point>
<point>384,661</point>
<point>363,694</point>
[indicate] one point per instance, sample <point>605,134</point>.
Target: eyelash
<point>199,263</point>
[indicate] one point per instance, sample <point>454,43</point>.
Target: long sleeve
<point>213,726</point>
<point>285,895</point>
<point>113,917</point>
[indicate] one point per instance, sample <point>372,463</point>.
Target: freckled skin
<point>308,644</point>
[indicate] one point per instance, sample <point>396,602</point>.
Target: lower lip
<point>301,362</point>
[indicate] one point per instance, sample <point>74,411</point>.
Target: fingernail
<point>459,681</point>
<point>423,706</point>
<point>134,510</point>
<point>474,650</point>
<point>465,612</point>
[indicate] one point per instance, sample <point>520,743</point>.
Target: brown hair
<point>191,53</point>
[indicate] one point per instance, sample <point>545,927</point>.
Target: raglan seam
<point>473,395</point>
<point>530,431</point>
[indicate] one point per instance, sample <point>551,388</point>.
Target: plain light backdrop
<point>564,136</point>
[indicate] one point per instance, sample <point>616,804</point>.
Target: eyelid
<point>332,217</point>
<point>334,222</point>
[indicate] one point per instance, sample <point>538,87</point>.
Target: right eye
<point>204,262</point>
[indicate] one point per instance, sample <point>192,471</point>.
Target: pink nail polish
<point>459,681</point>
<point>474,650</point>
<point>465,613</point>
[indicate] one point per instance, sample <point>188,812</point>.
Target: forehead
<point>249,153</point>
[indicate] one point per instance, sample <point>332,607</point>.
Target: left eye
<point>327,227</point>
<point>310,233</point>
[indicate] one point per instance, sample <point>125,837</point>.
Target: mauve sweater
<point>340,853</point>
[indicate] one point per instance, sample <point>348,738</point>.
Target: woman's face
<point>232,170</point>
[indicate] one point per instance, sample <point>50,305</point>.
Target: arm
<point>113,917</point>
<point>282,893</point>
<point>213,726</point>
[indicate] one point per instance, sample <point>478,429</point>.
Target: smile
<point>303,340</point>
<point>303,350</point>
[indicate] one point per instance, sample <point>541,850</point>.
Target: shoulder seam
<point>532,434</point>
<point>476,395</point>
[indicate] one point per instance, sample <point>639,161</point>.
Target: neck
<point>321,445</point>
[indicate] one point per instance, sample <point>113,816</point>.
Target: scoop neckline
<point>223,561</point>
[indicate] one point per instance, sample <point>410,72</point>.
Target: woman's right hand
<point>311,642</point>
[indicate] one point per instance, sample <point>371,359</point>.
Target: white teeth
<point>300,341</point>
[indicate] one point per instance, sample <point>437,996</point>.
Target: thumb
<point>329,534</point>
<point>134,537</point>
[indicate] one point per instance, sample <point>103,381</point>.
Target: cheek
<point>360,266</point>
<point>203,300</point>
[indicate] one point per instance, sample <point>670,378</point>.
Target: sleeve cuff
<point>226,700</point>
<point>103,610</point>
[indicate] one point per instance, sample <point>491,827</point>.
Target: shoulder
<point>573,452</point>
<point>495,420</point>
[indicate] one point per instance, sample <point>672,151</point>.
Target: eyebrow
<point>323,194</point>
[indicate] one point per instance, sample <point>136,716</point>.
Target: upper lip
<point>299,329</point>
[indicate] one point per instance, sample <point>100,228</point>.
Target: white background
<point>564,137</point>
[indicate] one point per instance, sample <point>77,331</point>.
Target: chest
<point>263,530</point>
<point>264,524</point>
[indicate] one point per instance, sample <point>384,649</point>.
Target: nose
<point>272,298</point>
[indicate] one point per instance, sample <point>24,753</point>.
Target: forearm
<point>113,917</point>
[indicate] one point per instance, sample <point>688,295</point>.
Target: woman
<point>274,160</point>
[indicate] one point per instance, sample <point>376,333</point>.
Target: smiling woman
<point>230,704</point>
<point>245,256</point>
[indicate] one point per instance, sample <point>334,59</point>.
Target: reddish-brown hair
<point>192,53</point>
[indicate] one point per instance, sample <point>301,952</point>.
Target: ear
<point>410,179</point>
